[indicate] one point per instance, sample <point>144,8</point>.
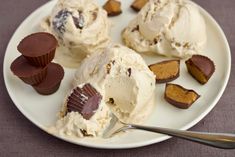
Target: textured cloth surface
<point>19,137</point>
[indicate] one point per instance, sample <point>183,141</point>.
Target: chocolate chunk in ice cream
<point>79,21</point>
<point>60,20</point>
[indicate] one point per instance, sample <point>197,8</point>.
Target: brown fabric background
<point>19,137</point>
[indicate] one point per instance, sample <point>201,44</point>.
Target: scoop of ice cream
<point>167,27</point>
<point>125,80</point>
<point>81,26</point>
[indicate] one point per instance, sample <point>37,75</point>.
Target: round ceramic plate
<point>42,110</point>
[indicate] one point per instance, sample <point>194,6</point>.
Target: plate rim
<point>137,144</point>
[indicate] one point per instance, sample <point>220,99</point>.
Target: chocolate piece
<point>108,68</point>
<point>129,72</point>
<point>200,67</point>
<point>113,7</point>
<point>26,72</point>
<point>137,5</point>
<point>60,20</point>
<point>84,132</point>
<point>84,100</point>
<point>111,101</point>
<point>166,71</point>
<point>135,28</point>
<point>94,14</point>
<point>79,21</point>
<point>38,48</point>
<point>51,83</point>
<point>179,96</point>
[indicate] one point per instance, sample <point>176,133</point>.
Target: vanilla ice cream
<point>127,87</point>
<point>82,28</point>
<point>167,27</point>
<point>125,79</point>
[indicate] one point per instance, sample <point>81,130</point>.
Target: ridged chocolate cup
<point>42,60</point>
<point>47,91</point>
<point>28,73</point>
<point>84,100</point>
<point>38,48</point>
<point>51,83</point>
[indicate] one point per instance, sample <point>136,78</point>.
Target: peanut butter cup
<point>201,68</point>
<point>51,83</point>
<point>179,96</point>
<point>39,48</point>
<point>26,72</point>
<point>137,5</point>
<point>113,7</point>
<point>84,100</point>
<point>166,71</point>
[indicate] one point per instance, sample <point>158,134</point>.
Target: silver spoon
<point>219,140</point>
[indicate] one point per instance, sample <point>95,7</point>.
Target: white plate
<point>42,110</point>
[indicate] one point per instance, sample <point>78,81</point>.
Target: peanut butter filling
<point>166,71</point>
<point>196,73</point>
<point>180,94</point>
<point>113,7</point>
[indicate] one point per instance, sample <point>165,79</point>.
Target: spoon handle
<point>219,140</point>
